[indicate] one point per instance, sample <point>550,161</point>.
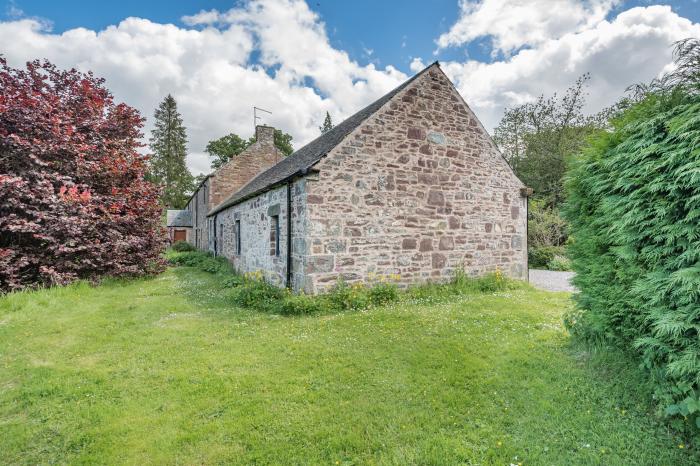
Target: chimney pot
<point>265,135</point>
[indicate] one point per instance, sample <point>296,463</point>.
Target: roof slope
<point>179,218</point>
<point>310,154</point>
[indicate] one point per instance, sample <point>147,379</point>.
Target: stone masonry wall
<point>199,207</point>
<point>418,190</point>
<point>257,241</point>
<point>228,179</point>
<point>258,157</point>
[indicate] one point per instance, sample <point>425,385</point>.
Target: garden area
<point>115,351</point>
<point>172,369</point>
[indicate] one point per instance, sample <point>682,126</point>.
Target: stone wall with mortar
<point>198,205</point>
<point>418,190</point>
<point>257,157</point>
<point>228,179</point>
<point>257,240</point>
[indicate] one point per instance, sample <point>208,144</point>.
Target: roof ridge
<point>304,158</point>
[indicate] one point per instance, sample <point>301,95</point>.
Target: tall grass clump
<point>182,246</point>
<point>201,260</point>
<point>251,290</point>
<point>634,212</point>
<point>255,292</point>
<point>461,285</point>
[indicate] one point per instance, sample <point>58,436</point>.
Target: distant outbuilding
<point>179,223</point>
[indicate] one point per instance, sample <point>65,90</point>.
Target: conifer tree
<point>327,124</point>
<point>169,145</point>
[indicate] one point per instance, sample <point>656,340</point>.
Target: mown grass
<point>165,370</point>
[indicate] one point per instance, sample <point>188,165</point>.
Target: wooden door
<point>180,235</point>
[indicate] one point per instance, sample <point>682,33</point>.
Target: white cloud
<point>512,24</point>
<point>203,17</point>
<point>633,47</point>
<point>416,65</point>
<point>210,70</point>
<point>275,54</point>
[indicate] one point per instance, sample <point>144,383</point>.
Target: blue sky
<point>358,27</point>
<point>303,58</point>
<point>382,32</point>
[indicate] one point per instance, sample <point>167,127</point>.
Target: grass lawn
<point>164,371</point>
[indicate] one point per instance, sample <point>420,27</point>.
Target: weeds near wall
<point>252,291</point>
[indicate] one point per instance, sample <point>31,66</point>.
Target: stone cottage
<point>228,179</point>
<point>412,185</point>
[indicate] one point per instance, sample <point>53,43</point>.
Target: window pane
<point>275,235</point>
<point>238,237</point>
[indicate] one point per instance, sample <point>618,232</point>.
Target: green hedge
<point>634,213</point>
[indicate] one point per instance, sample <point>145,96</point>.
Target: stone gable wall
<point>258,157</point>
<point>418,190</point>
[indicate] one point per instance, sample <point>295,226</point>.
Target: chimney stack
<point>239,170</point>
<point>265,135</point>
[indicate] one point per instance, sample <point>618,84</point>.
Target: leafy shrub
<point>546,227</point>
<point>540,257</point>
<point>257,294</point>
<point>232,281</point>
<point>75,201</point>
<point>344,297</point>
<point>559,263</point>
<point>383,293</point>
<point>302,304</point>
<point>634,209</point>
<point>494,282</point>
<point>201,260</point>
<point>182,246</point>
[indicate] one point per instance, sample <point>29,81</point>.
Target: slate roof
<point>179,218</point>
<point>302,160</point>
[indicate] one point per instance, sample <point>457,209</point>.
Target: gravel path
<point>550,280</point>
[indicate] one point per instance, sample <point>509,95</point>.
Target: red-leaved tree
<point>73,200</point>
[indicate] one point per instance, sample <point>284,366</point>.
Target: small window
<point>275,236</point>
<point>220,239</point>
<point>238,237</point>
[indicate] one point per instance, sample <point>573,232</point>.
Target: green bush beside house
<point>634,213</point>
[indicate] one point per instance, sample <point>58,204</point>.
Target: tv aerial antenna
<point>256,117</point>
